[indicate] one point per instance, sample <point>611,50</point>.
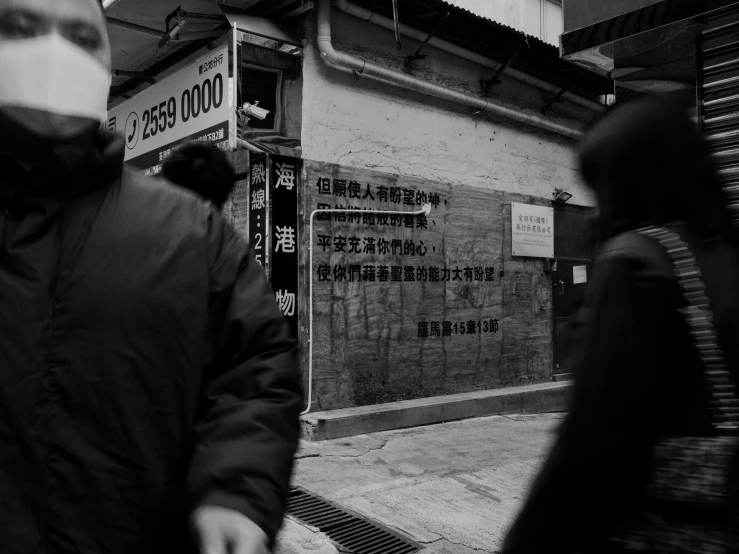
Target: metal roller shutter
<point>718,95</point>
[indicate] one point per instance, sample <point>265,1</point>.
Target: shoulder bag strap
<point>724,401</point>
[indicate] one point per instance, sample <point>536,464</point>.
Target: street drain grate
<point>348,530</point>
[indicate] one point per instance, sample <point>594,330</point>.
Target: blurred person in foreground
<point>202,168</point>
<point>637,379</point>
<point>149,392</point>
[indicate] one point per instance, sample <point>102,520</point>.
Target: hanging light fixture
<point>561,195</point>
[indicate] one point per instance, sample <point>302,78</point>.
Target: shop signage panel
<point>259,208</point>
<point>285,183</point>
<point>192,104</point>
<point>579,274</point>
<point>532,230</point>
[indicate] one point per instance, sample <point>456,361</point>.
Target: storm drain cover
<point>348,530</point>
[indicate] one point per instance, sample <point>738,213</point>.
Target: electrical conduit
<point>374,71</point>
<point>425,210</point>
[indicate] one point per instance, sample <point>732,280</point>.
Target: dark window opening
<point>262,87</point>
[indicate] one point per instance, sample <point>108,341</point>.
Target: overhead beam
<point>136,28</point>
<point>306,7</point>
<point>410,59</point>
<point>180,54</point>
<point>138,75</point>
<point>487,85</point>
<point>556,99</point>
<point>188,37</point>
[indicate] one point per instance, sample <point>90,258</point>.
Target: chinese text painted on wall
<point>361,244</point>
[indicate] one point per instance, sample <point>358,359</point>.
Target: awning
<point>262,26</point>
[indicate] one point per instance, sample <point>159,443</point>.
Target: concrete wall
<point>359,123</point>
<point>378,338</point>
<point>292,107</point>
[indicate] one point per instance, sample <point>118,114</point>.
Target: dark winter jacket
<point>144,366</point>
<point>637,380</point>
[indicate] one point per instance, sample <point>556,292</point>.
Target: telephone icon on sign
<point>132,130</point>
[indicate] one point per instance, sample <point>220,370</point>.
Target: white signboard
<point>532,230</point>
<point>192,104</point>
<point>579,274</point>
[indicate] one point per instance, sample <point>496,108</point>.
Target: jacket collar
<point>62,172</point>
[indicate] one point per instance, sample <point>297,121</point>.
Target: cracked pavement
<point>453,487</point>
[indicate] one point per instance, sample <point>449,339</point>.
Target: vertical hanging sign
<point>258,203</point>
<point>284,175</point>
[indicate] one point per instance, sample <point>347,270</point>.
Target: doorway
<point>574,249</point>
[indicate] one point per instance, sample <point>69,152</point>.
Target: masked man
<point>148,382</point>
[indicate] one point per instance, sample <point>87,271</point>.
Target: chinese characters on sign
<point>407,240</point>
<point>372,245</point>
<point>257,199</point>
<point>217,136</point>
<point>384,194</point>
<point>434,329</point>
<point>286,301</point>
<point>258,172</point>
<point>397,273</point>
<point>414,306</point>
<point>579,274</point>
<point>285,239</point>
<point>366,216</point>
<point>284,176</point>
<point>532,231</point>
<point>189,105</point>
<point>258,192</point>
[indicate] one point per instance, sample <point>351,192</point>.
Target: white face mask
<point>52,75</point>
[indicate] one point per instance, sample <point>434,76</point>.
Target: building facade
<point>432,155</point>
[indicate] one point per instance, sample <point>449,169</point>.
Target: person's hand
<point>223,531</point>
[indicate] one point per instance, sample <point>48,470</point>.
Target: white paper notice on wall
<point>579,274</point>
<point>532,230</point>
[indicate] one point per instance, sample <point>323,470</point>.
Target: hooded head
<point>649,165</point>
<point>55,62</point>
<point>202,168</point>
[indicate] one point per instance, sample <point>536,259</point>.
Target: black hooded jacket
<point>638,378</point>
<point>145,367</point>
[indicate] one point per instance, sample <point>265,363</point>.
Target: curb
<point>349,422</point>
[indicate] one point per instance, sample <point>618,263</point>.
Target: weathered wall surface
<point>360,123</point>
<point>407,307</point>
<point>236,208</point>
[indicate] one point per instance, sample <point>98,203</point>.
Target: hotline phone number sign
<point>184,104</point>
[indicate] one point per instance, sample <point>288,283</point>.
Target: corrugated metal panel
<point>504,13</point>
<point>490,11</point>
<point>719,98</point>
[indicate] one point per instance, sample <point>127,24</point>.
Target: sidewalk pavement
<point>454,487</point>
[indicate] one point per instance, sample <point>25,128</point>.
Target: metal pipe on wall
<point>386,75</point>
<point>425,210</point>
<point>387,23</point>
